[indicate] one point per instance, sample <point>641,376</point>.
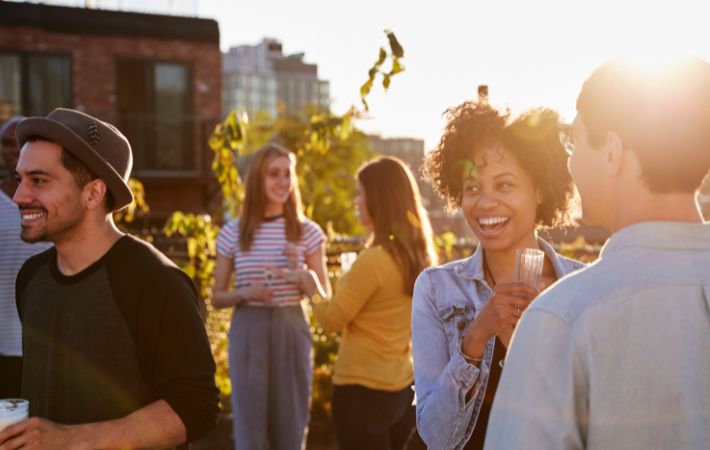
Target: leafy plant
<point>395,54</point>
<point>138,207</point>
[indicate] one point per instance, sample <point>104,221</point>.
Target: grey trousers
<point>271,368</point>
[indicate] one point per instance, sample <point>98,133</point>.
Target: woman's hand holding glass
<point>258,291</point>
<point>498,317</point>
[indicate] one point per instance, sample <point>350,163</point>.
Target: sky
<point>529,53</point>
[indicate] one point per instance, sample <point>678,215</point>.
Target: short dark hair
<point>663,115</point>
<point>81,173</point>
<point>532,138</point>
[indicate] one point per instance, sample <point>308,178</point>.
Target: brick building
<point>158,78</point>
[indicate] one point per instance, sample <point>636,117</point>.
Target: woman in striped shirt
<point>270,348</point>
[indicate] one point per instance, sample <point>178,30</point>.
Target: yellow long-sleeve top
<point>374,314</point>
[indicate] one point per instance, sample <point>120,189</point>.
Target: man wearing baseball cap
<point>115,350</point>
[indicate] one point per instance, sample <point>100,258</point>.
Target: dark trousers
<point>11,376</point>
<point>370,419</point>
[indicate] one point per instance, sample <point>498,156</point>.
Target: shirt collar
<point>660,235</point>
<point>472,267</point>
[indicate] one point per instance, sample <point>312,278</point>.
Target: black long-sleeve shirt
<point>121,334</point>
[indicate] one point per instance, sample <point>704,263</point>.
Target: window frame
<point>157,173</point>
<point>24,73</point>
<point>24,56</point>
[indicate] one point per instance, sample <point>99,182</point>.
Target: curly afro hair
<point>531,138</point>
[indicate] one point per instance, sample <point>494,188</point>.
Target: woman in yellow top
<point>372,307</point>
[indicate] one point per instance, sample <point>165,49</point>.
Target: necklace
<point>487,270</point>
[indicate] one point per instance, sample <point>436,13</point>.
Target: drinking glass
<point>270,263</point>
<point>12,411</point>
<point>528,266</point>
<point>292,257</point>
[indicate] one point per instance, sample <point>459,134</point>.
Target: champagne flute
<point>528,266</point>
<point>269,265</point>
<point>292,257</point>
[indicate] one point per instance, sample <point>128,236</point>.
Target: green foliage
<point>444,245</point>
<point>227,142</point>
<point>138,207</point>
<point>325,347</point>
<point>217,325</point>
<point>200,240</point>
<point>396,54</point>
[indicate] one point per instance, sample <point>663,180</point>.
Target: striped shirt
<point>267,250</point>
<point>13,253</point>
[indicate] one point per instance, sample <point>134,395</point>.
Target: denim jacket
<point>446,300</point>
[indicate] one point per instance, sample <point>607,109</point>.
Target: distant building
<point>261,78</point>
<point>409,150</point>
<point>156,77</point>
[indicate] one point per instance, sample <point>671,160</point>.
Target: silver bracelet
<point>468,359</point>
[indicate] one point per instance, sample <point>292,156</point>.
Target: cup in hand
<point>12,411</point>
<point>292,259</point>
<point>528,266</point>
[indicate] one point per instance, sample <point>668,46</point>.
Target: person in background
<point>372,304</point>
<point>14,253</point>
<point>115,352</point>
<point>624,359</point>
<point>10,153</point>
<point>509,179</point>
<point>270,347</point>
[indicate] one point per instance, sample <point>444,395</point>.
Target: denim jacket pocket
<point>455,318</point>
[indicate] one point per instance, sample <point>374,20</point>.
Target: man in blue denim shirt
<point>624,359</point>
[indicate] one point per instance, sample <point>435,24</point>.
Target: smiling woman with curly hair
<point>532,139</point>
<point>510,179</point>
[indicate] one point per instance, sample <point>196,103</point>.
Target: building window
<point>33,84</point>
<point>154,104</point>
<point>10,86</point>
<point>324,94</point>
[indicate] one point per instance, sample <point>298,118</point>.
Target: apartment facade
<point>156,77</point>
<point>261,78</point>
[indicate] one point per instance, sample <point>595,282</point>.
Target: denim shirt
<point>446,300</point>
